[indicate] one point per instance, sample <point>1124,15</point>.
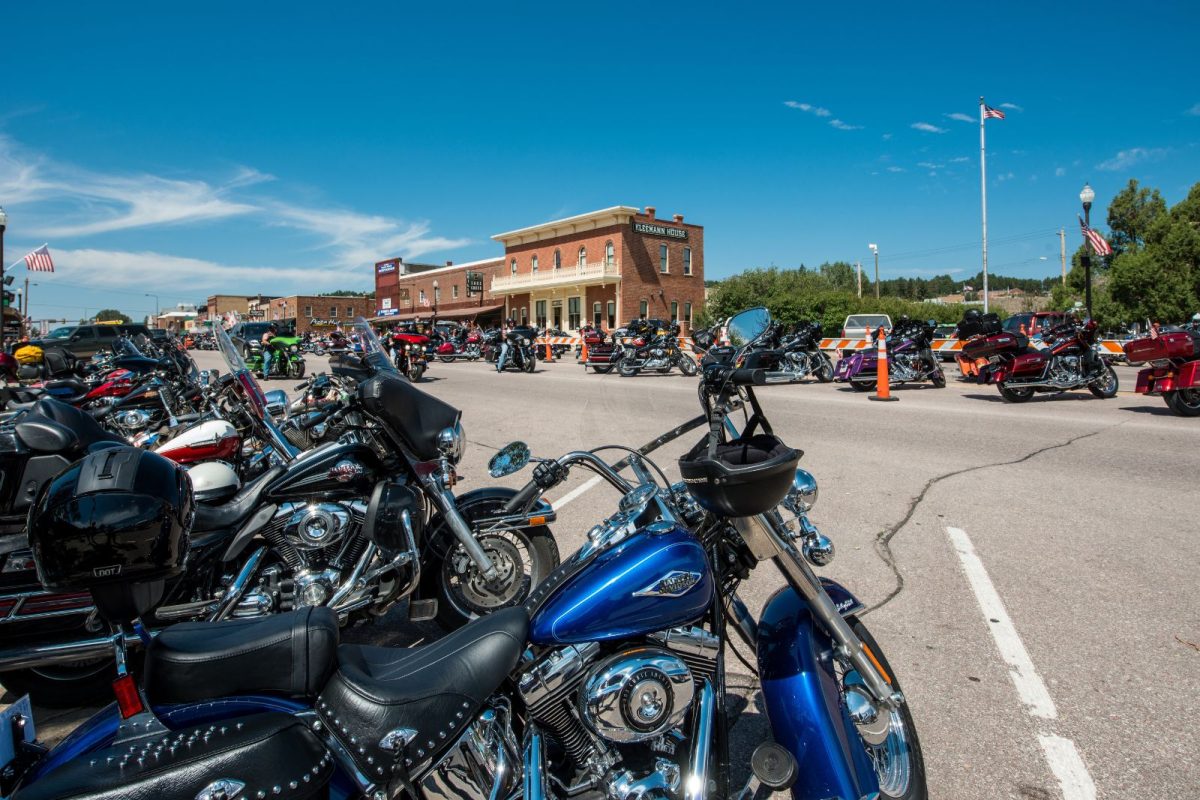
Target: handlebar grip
<point>528,493</point>
<point>748,377</point>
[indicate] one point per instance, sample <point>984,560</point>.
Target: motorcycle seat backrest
<point>44,435</point>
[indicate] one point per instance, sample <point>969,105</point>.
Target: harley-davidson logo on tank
<point>673,584</point>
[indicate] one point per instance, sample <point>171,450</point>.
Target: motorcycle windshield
<point>373,353</point>
<point>238,369</point>
<point>125,348</point>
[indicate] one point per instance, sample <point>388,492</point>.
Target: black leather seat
<point>434,690</point>
<point>269,755</point>
<point>55,427</point>
<point>237,509</point>
<point>76,386</point>
<point>290,654</point>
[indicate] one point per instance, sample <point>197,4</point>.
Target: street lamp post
<point>875,250</point>
<point>3,225</point>
<point>1086,196</point>
<point>157,308</point>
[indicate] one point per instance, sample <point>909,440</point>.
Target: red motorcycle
<point>469,347</point>
<point>602,353</point>
<point>1070,360</point>
<point>408,353</point>
<point>1174,370</point>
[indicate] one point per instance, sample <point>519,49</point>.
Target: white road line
<point>1061,754</point>
<point>1030,687</point>
<point>575,493</point>
<point>1068,767</point>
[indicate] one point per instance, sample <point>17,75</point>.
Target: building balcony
<point>579,275</point>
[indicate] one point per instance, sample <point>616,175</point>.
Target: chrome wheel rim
<point>893,759</point>
<point>1188,397</point>
<point>471,595</point>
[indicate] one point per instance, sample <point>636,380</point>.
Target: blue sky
<point>282,147</point>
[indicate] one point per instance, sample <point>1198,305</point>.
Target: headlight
<point>524,340</point>
<point>803,494</point>
<point>294,348</point>
<point>452,443</point>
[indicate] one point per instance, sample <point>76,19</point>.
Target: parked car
<point>84,341</point>
<point>856,325</point>
<point>946,332</point>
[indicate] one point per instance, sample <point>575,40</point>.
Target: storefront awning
<point>425,315</point>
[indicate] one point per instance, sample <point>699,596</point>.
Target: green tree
<point>111,315</point>
<point>1131,215</point>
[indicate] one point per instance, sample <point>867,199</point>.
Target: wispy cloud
<point>887,137</point>
<point>927,128</point>
<point>1005,176</point>
<point>1059,172</point>
<point>930,165</point>
<point>808,108</point>
<point>844,126</point>
<point>1125,159</point>
<point>961,117</point>
<point>1011,106</point>
<point>896,169</point>
<point>1194,111</point>
<point>960,160</point>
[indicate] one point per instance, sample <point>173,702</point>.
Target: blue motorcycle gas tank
<point>657,578</point>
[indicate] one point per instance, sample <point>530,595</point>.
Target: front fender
<point>804,703</point>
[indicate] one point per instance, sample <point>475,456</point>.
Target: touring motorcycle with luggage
<point>1174,368</point>
<point>1070,360</point>
<point>286,359</point>
<point>603,351</point>
<point>521,354</point>
<point>409,353</point>
<point>909,358</point>
<point>795,355</point>
<point>654,351</point>
<point>463,345</point>
<point>609,681</point>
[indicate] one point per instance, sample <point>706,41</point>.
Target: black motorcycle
<point>654,351</point>
<point>521,352</point>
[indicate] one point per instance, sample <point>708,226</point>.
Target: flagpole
<point>983,196</point>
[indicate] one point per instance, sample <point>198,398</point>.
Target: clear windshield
<point>124,347</point>
<point>362,335</point>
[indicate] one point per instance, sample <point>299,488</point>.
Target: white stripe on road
<point>1029,686</point>
<point>1068,767</point>
<point>1061,754</point>
<point>575,493</point>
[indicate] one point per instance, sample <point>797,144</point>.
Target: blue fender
<point>804,703</point>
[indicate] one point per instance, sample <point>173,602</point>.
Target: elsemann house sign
<point>660,230</point>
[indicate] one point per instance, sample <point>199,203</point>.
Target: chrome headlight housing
<point>452,443</point>
<point>524,341</point>
<point>803,494</point>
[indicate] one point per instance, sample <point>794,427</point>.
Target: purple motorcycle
<point>910,359</point>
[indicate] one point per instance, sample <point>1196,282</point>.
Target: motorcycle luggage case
<point>1178,344</point>
<point>989,346</point>
<point>1028,365</point>
<point>261,755</point>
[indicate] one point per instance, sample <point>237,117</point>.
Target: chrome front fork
<point>459,527</point>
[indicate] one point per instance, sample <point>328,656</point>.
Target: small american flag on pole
<point>39,260</point>
<point>1098,242</point>
<point>992,113</point>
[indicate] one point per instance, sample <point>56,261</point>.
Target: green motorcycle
<point>286,359</point>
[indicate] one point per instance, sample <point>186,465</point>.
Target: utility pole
<point>875,250</point>
<point>860,279</point>
<point>1062,246</point>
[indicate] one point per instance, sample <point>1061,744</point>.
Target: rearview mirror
<point>743,328</point>
<point>511,458</point>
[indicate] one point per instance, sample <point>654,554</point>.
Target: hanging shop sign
<point>474,283</point>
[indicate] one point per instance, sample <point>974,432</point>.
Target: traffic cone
<point>583,354</point>
<point>549,353</point>
<point>883,391</point>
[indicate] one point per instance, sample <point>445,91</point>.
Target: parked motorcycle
<point>910,359</point>
<point>796,355</point>
<point>1174,371</point>
<point>1071,360</point>
<point>654,351</point>
<point>610,681</point>
<point>286,359</point>
<point>603,352</point>
<point>466,346</point>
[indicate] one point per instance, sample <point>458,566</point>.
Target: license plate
<point>8,744</point>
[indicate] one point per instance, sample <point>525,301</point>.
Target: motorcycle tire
<point>899,763</point>
<point>529,365</point>
<point>600,369</point>
<point>416,373</point>
<point>445,359</point>
<point>1014,395</point>
<point>1184,402</point>
<point>627,370</point>
<point>687,366</point>
<point>460,601</point>
<point>296,369</point>
<point>64,685</point>
<point>939,379</point>
<point>864,386</point>
<point>824,372</point>
<point>320,351</point>
<point>1106,385</point>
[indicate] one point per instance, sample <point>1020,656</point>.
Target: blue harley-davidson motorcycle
<point>609,683</point>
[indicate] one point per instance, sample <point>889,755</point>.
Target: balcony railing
<point>587,273</point>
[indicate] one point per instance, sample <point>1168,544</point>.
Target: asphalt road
<point>1031,569</point>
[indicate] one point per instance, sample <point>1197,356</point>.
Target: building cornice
<point>616,215</point>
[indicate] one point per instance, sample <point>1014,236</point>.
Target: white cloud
<point>1059,172</point>
<point>960,160</point>
<point>1011,106</point>
<point>887,137</point>
<point>809,108</point>
<point>1005,176</point>
<point>1194,111</point>
<point>1125,159</point>
<point>895,169</point>
<point>927,128</point>
<point>844,126</point>
<point>961,117</point>
<point>930,165</point>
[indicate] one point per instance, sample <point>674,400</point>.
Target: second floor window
<point>454,291</point>
<point>557,259</point>
<point>308,311</point>
<point>349,311</point>
<point>583,256</point>
<point>609,254</point>
<point>687,261</point>
<point>422,296</point>
<point>534,264</point>
<point>333,312</point>
<point>437,294</point>
<point>513,266</point>
<point>662,259</point>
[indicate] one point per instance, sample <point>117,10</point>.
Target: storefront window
<point>524,316</point>
<point>609,256</point>
<point>573,313</point>
<point>597,317</point>
<point>557,259</point>
<point>539,313</point>
<point>662,259</point>
<point>583,256</point>
<point>556,318</point>
<point>687,261</point>
<point>534,262</point>
<point>612,314</point>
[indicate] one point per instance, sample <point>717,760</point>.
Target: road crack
<point>883,541</point>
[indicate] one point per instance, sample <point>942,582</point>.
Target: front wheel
<point>686,365</point>
<point>894,749</point>
<point>1184,402</point>
<point>627,369</point>
<point>1105,386</point>
<point>296,369</point>
<point>417,371</point>
<point>445,359</point>
<point>824,372</point>
<point>529,364</point>
<point>863,386</point>
<point>939,378</point>
<point>1014,394</point>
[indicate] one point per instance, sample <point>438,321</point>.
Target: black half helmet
<point>740,478</point>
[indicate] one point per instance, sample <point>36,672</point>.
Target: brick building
<point>318,313</point>
<point>605,267</point>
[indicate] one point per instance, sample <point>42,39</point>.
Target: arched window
<point>609,255</point>
<point>513,266</point>
<point>583,256</point>
<point>557,259</point>
<point>534,262</point>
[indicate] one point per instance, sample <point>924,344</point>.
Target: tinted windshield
<point>60,333</point>
<point>363,336</point>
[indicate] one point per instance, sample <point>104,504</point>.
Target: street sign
<point>474,283</point>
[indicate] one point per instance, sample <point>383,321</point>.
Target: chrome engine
<point>620,716</point>
<point>906,366</point>
<point>1065,370</point>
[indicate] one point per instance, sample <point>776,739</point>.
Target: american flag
<point>39,260</point>
<point>992,113</point>
<point>1099,243</point>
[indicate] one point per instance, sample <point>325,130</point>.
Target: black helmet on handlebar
<point>740,478</point>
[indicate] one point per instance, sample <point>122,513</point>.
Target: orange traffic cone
<point>883,390</point>
<point>583,354</point>
<point>549,353</point>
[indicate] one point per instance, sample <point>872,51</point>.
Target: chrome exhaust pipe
<point>61,652</point>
